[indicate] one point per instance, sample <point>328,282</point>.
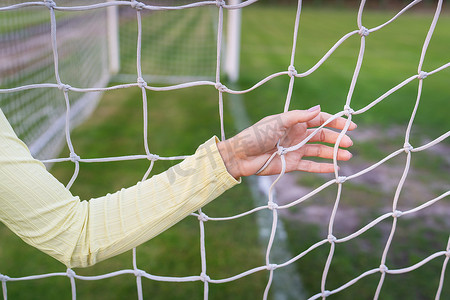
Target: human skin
<point>245,153</point>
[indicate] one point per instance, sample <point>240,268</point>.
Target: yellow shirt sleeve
<point>39,209</point>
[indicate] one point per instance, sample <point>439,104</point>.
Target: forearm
<point>139,213</point>
<point>79,233</point>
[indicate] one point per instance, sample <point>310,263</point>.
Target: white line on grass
<point>286,283</point>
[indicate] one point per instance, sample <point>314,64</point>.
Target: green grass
<point>183,43</point>
<point>18,19</point>
<point>14,21</point>
<point>362,254</point>
<point>180,120</point>
<point>176,251</point>
<point>392,55</point>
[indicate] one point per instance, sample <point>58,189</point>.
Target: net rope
<point>183,44</point>
<point>339,180</point>
<point>37,115</point>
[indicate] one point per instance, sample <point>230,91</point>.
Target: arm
<point>39,209</point>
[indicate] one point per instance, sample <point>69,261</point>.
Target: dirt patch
<point>371,195</point>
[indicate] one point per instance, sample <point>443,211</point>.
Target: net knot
<point>272,267</point>
<point>422,75</point>
<point>397,213</point>
<point>341,179</point>
<point>74,157</point>
<point>446,254</point>
<point>292,71</point>
<point>70,273</point>
<point>204,277</point>
<point>383,268</point>
<point>272,205</point>
<point>139,273</point>
<point>363,31</point>
<point>153,157</point>
<point>348,110</point>
<point>64,87</point>
<point>220,87</point>
<point>141,82</point>
<point>407,146</point>
<point>220,3</point>
<point>326,293</point>
<point>137,5</point>
<point>50,4</point>
<point>331,238</point>
<point>3,277</point>
<point>202,217</point>
<point>281,150</point>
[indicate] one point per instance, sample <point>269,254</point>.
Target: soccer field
<point>392,55</point>
<point>180,120</point>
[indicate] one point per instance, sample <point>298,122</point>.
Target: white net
<point>182,47</point>
<point>37,112</point>
<point>60,86</point>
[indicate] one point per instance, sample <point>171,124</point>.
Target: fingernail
<point>314,108</point>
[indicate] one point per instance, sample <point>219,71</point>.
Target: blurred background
<point>180,46</point>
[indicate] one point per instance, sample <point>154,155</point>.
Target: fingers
<point>329,136</point>
<point>303,165</point>
<point>338,123</point>
<point>315,167</point>
<point>294,161</point>
<point>293,117</point>
<point>272,128</point>
<point>323,151</point>
<point>290,128</point>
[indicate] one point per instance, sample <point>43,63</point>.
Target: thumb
<point>293,117</point>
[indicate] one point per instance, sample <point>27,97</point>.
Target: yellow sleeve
<point>39,209</point>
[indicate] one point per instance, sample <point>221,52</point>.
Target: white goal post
<point>233,45</point>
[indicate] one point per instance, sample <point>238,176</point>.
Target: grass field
<point>181,120</point>
<point>173,253</point>
<point>183,44</point>
<point>392,54</point>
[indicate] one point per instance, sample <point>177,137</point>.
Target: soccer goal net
<point>32,52</point>
<point>177,45</point>
<point>55,64</point>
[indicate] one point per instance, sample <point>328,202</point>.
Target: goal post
<point>112,15</point>
<point>233,45</point>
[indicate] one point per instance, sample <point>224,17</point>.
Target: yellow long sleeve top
<point>39,209</point>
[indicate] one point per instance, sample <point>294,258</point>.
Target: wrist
<point>229,158</point>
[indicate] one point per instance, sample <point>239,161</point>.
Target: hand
<point>245,153</point>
